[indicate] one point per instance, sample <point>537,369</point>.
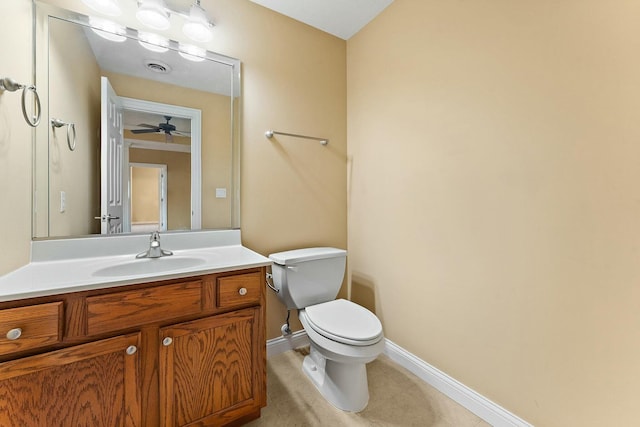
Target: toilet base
<point>344,385</point>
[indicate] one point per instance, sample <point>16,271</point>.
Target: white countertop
<point>53,273</point>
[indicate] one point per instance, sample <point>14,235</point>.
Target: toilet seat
<point>345,322</point>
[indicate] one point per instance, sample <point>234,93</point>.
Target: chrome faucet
<point>154,251</point>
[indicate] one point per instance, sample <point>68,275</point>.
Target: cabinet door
<point>209,369</point>
<point>94,384</point>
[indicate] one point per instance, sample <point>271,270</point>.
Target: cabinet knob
<point>131,350</point>
<point>167,341</point>
<point>14,334</point>
<point>242,291</point>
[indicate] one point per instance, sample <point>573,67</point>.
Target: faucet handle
<point>154,240</point>
<point>154,251</point>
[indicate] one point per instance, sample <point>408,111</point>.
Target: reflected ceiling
<point>169,67</point>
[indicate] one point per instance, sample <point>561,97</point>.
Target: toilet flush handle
<point>273,288</point>
<point>292,268</point>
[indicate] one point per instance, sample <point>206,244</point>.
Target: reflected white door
<point>111,160</point>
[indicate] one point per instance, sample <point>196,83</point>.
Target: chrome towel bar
<point>269,134</point>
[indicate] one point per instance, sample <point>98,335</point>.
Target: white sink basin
<point>149,266</point>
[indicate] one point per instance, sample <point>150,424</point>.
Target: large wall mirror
<point>136,134</point>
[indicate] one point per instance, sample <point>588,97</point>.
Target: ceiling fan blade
<point>146,125</point>
<point>180,133</point>
<point>145,130</point>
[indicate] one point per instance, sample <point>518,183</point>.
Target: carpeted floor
<point>397,398</point>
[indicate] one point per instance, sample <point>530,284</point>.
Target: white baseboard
<point>281,344</point>
<point>489,411</point>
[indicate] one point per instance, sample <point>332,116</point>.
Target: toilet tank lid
<point>307,254</point>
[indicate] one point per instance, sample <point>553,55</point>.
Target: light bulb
<point>106,7</point>
<point>153,42</point>
<point>108,29</point>
<point>197,27</point>
<point>153,14</point>
<point>192,53</point>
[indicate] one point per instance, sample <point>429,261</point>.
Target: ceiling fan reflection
<point>167,128</point>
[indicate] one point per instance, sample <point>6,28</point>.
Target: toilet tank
<point>308,276</point>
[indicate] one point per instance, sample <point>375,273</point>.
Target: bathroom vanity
<point>185,346</point>
<point>89,335</point>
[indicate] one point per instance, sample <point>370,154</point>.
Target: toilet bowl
<point>343,336</point>
<point>337,361</point>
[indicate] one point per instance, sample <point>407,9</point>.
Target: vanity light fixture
<point>198,27</point>
<point>106,7</point>
<point>153,14</point>
<point>108,29</point>
<point>153,42</point>
<point>192,53</point>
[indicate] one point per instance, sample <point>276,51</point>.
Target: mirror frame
<point>41,200</point>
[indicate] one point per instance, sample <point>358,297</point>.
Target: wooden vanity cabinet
<point>94,384</point>
<point>184,352</point>
<point>206,369</point>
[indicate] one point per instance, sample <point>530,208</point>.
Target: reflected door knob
<point>105,218</point>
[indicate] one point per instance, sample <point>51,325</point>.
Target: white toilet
<point>344,336</point>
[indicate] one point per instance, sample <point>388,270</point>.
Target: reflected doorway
<point>148,193</point>
<point>155,133</point>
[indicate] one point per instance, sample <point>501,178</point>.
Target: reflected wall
<point>67,189</point>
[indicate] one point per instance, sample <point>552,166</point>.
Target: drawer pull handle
<point>167,341</point>
<point>14,334</point>
<point>242,291</point>
<point>132,350</point>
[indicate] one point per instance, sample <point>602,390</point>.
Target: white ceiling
<point>342,18</point>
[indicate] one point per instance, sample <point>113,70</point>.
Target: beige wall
<point>493,212</point>
<point>15,137</point>
<point>65,166</point>
<point>145,200</point>
<point>178,183</point>
<point>293,191</point>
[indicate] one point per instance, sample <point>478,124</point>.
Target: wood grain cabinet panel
<point>185,352</point>
<point>210,370</point>
<point>238,290</point>
<point>93,384</point>
<point>24,328</point>
<point>126,309</point>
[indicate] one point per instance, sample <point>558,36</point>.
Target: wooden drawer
<point>32,326</point>
<point>238,290</point>
<point>127,309</point>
